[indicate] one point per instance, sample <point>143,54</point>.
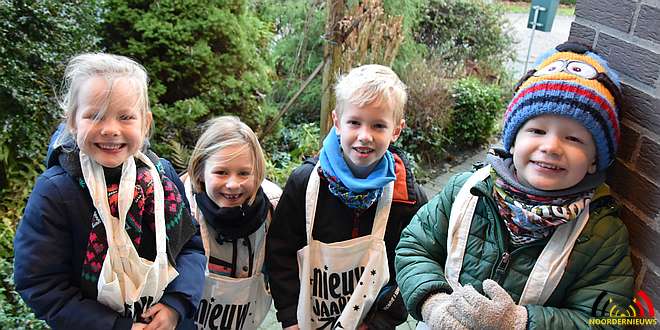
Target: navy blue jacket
<point>49,251</point>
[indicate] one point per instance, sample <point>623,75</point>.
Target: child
<point>328,270</point>
<point>107,240</point>
<point>233,204</point>
<point>532,240</point>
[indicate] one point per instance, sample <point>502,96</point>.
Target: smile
<point>231,197</point>
<point>363,150</point>
<point>110,146</point>
<point>547,166</point>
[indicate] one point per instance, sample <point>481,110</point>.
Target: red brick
<point>629,141</point>
<point>635,189</point>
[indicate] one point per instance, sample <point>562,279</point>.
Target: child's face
<point>366,133</point>
<point>120,131</point>
<point>553,153</point>
<point>229,176</point>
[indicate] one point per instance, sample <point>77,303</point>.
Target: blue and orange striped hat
<point>573,81</point>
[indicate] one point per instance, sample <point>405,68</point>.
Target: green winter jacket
<point>600,259</point>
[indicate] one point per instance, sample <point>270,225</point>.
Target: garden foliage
<point>204,59</point>
<point>477,107</point>
<point>37,37</point>
<point>466,35</point>
<point>429,109</point>
<point>240,57</point>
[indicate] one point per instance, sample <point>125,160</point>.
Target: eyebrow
<point>223,167</point>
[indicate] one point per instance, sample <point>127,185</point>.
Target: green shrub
<point>38,37</point>
<point>204,59</point>
<point>14,314</point>
<point>468,35</point>
<point>289,150</point>
<point>428,110</point>
<point>477,107</point>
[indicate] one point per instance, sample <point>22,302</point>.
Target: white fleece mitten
<point>475,311</point>
<point>435,314</point>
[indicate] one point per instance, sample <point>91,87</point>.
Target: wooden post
<point>332,51</point>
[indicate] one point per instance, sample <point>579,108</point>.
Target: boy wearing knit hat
<point>533,239</point>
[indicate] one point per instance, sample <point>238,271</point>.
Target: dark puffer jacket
<point>334,222</point>
<point>49,249</point>
<point>600,260</point>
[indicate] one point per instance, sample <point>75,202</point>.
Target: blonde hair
<point>220,133</point>
<point>100,65</point>
<point>371,83</point>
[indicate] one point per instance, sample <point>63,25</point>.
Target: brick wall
<point>627,34</point>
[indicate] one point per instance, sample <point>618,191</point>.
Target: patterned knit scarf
<point>529,217</point>
<point>353,200</point>
<point>178,224</point>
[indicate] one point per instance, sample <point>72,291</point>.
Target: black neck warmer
<point>234,222</point>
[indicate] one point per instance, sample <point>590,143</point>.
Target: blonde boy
<point>358,183</point>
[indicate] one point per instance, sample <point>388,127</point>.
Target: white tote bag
<point>128,283</point>
<point>340,281</point>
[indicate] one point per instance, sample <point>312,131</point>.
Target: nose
<point>552,145</point>
<point>365,136</point>
<point>233,182</point>
<point>109,127</point>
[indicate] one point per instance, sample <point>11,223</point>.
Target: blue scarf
<point>353,192</point>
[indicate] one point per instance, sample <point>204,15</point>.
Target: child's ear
<point>397,130</point>
<point>148,119</point>
<point>335,119</point>
<point>592,168</point>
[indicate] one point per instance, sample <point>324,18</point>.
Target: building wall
<point>627,34</point>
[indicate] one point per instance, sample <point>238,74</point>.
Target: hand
<point>478,312</point>
<point>435,313</point>
<point>292,327</point>
<point>138,326</point>
<point>162,317</point>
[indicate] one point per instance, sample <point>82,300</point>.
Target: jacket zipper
<point>501,267</point>
<point>497,274</point>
